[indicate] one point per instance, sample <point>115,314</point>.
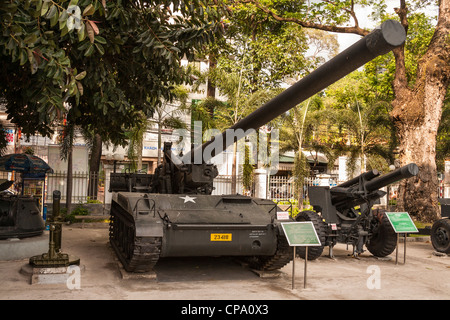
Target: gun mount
<point>175,214</point>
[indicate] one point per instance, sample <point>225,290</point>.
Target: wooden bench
<point>89,217</point>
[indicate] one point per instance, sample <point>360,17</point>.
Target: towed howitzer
<point>337,216</point>
<point>176,215</point>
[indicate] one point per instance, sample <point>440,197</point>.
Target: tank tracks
<point>283,255</point>
<point>137,254</point>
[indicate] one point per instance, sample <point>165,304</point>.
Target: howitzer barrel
<point>407,171</point>
<point>383,39</point>
<point>366,176</point>
<point>355,191</point>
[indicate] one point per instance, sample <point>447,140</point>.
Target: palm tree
<point>166,115</point>
<point>370,134</point>
<point>300,129</point>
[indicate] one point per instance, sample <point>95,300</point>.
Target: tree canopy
<point>100,64</point>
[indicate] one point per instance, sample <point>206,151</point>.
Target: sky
<point>346,40</point>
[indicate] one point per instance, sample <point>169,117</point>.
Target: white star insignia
<point>188,199</point>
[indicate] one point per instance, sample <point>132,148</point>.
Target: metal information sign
<point>300,234</point>
<point>401,223</point>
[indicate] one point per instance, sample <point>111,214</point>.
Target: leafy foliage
<point>381,71</point>
<point>100,63</point>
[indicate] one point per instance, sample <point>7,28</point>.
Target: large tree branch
<point>400,79</point>
<point>356,29</point>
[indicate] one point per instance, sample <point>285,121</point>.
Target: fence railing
<point>222,185</point>
<point>279,188</point>
<point>82,191</point>
<point>283,187</point>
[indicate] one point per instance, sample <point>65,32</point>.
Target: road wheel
<point>314,251</point>
<point>384,239</point>
<point>440,235</point>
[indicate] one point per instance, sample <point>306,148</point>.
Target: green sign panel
<point>301,233</point>
<point>401,222</point>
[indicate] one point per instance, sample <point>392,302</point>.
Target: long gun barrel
<point>366,186</point>
<point>383,39</point>
<point>405,172</point>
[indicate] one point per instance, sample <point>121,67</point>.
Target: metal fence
<point>283,188</point>
<point>222,185</point>
<point>279,188</point>
<point>80,186</point>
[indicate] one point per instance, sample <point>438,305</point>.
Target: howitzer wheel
<point>384,239</point>
<point>315,251</point>
<point>440,235</point>
<point>137,254</point>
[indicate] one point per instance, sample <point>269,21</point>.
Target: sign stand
<point>293,270</point>
<point>306,265</point>
<point>404,248</point>
<point>300,234</point>
<point>401,223</point>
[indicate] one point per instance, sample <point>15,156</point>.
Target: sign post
<point>300,234</point>
<point>401,223</point>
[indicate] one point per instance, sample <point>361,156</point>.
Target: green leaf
<point>80,76</point>
<point>63,15</point>
<point>62,24</point>
<point>65,61</point>
<point>100,48</point>
<point>51,12</point>
<point>39,5</point>
<point>23,57</point>
<point>84,45</point>
<point>30,55</point>
<point>89,51</point>
<point>44,8</point>
<point>89,10</point>
<point>64,30</point>
<point>82,33</point>
<point>54,19</point>
<point>100,39</point>
<point>31,38</point>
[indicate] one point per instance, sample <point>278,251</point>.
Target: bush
<point>78,211</point>
<point>294,211</point>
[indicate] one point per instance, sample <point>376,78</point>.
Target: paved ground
<point>424,276</point>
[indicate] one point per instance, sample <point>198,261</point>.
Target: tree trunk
<point>94,166</point>
<point>159,142</point>
<point>416,114</point>
<point>69,182</point>
<point>211,89</point>
<point>233,170</point>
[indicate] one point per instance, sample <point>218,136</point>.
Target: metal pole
<point>293,270</point>
<point>396,249</point>
<point>404,252</point>
<point>306,259</point>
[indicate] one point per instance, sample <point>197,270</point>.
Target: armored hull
<point>19,217</point>
<point>145,227</point>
